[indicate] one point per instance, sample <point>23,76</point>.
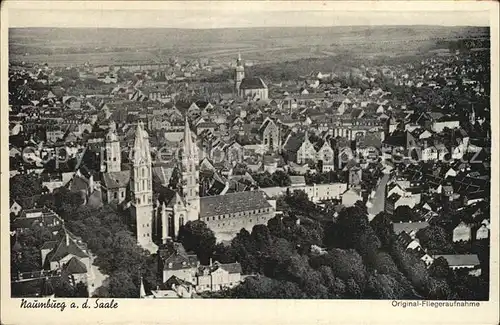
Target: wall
<point>120,195</point>
<point>482,233</point>
<point>439,126</point>
<point>227,226</point>
<point>51,186</point>
<point>184,274</point>
<point>461,233</point>
<point>314,192</point>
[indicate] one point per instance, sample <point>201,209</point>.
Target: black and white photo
<point>246,154</point>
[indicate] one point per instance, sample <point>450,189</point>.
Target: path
<point>96,277</point>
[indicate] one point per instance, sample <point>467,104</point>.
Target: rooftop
<point>408,227</point>
<point>461,259</point>
<point>252,83</point>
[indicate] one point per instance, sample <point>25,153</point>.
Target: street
<point>96,277</point>
<point>377,203</point>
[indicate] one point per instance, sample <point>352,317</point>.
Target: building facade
<point>141,189</point>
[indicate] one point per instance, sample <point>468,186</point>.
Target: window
<point>123,194</point>
<point>115,195</point>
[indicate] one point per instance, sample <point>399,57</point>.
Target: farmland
<point>75,46</point>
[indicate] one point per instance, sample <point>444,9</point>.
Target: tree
<point>383,286</point>
<point>280,178</point>
<point>439,268</point>
<point>404,213</point>
<point>353,290</point>
<point>24,186</point>
<point>368,245</point>
<point>435,239</point>
<point>382,225</point>
<point>81,290</point>
<point>120,285</point>
<point>335,285</point>
<point>245,252</point>
<point>414,269</point>
<point>224,253</point>
<point>345,264</point>
<point>266,288</point>
<point>29,261</point>
<point>438,289</point>
<point>274,258</point>
<point>350,224</point>
<point>197,237</point>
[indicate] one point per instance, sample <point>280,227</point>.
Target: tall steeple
<point>141,187</point>
<point>190,175</point>
<point>112,160</point>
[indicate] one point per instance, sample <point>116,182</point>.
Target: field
<point>74,46</point>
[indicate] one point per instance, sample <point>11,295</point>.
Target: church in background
<point>158,215</point>
<point>251,88</point>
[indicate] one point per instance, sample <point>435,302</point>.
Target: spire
<point>239,59</point>
<point>189,148</point>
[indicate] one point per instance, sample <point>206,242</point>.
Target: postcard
<point>227,162</point>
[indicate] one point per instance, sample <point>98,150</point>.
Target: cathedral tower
<point>190,176</point>
<point>240,74</point>
<point>112,159</point>
<point>141,188</point>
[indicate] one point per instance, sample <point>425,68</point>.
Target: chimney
<point>210,261</point>
<point>67,239</point>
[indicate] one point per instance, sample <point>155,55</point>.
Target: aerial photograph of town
<point>268,162</point>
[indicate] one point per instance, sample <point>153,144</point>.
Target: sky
<point>229,14</point>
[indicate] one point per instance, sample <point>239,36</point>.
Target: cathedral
<point>155,220</point>
<point>251,88</point>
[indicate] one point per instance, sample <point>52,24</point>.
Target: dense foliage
<point>358,259</point>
